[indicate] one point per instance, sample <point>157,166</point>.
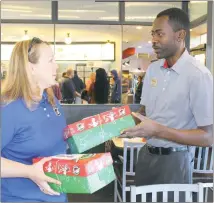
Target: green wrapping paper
<point>90,132</point>
<point>80,174</point>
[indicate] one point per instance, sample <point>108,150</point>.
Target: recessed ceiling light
<point>139,47</point>
<point>139,27</point>
<point>190,30</point>
<point>149,42</point>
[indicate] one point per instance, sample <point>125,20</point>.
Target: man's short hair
<point>178,19</point>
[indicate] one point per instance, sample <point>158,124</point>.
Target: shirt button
<point>48,115</point>
<point>45,109</point>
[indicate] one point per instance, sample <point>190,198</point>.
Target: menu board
<point>74,52</point>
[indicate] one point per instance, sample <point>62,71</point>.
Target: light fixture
<point>149,42</point>
<point>139,47</point>
<point>26,37</point>
<point>68,39</point>
<point>139,27</point>
<point>190,30</point>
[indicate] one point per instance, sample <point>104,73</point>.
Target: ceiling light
<point>190,30</point>
<point>140,17</point>
<point>26,37</point>
<point>68,39</point>
<point>109,18</point>
<point>149,42</point>
<point>139,47</point>
<point>38,15</point>
<point>139,27</point>
<point>83,11</point>
<point>16,10</point>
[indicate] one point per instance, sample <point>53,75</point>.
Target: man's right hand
<point>37,175</point>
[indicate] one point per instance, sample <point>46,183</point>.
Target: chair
<point>127,169</point>
<point>164,189</point>
<point>203,163</point>
<point>206,188</point>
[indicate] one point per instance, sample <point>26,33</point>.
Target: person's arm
<point>77,94</point>
<point>201,104</point>
<point>12,169</point>
<point>202,136</point>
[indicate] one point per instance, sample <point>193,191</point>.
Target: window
<point>197,9</point>
<point>146,11</point>
<point>88,10</point>
<point>26,10</point>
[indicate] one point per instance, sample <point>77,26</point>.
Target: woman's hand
<point>37,175</point>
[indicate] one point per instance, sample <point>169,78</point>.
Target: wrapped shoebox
<point>95,130</point>
<point>80,173</point>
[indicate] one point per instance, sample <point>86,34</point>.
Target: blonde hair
<point>93,76</point>
<point>69,71</point>
<point>18,83</point>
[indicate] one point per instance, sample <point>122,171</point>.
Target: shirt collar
<point>179,65</point>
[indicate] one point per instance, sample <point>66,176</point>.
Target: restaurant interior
<point>88,35</point>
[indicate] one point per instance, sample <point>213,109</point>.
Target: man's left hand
<point>146,128</point>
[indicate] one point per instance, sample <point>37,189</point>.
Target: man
<point>79,86</point>
<point>177,100</point>
<point>68,88</point>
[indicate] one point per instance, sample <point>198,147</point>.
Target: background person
<point>116,89</point>
<point>79,85</point>
<point>69,92</point>
<point>101,87</point>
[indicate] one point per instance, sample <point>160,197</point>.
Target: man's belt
<point>165,151</point>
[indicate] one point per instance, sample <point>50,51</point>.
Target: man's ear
<point>181,35</point>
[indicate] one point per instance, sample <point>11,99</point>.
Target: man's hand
<point>146,128</point>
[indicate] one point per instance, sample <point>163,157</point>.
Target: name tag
<point>154,82</point>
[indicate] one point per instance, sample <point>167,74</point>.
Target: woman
<point>116,90</point>
<point>32,124</point>
<point>91,91</point>
<point>101,87</point>
<point>90,81</point>
<point>138,91</point>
